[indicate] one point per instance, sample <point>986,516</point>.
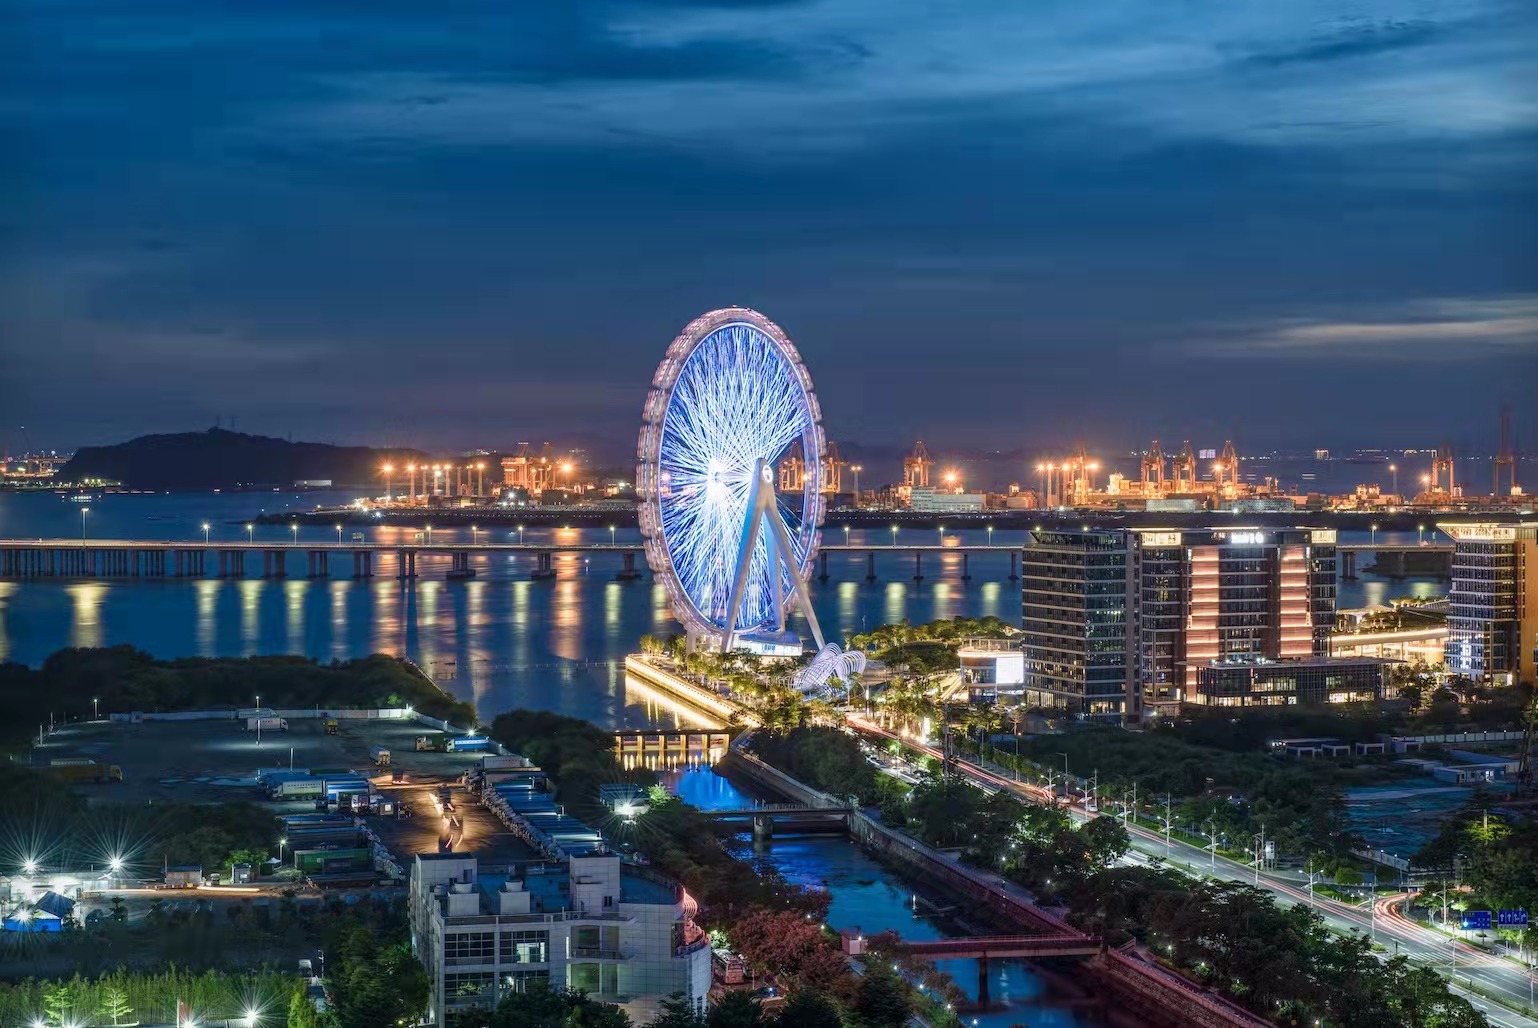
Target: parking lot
<point>213,761</point>
<point>217,761</point>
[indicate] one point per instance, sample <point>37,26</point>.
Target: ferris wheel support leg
<point>777,526</point>
<point>750,525</point>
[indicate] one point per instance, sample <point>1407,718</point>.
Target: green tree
<point>882,1000</point>
<point>736,1010</point>
<point>301,1011</point>
<point>677,1012</point>
<point>808,1008</point>
<point>540,1006</point>
<point>58,1002</point>
<point>114,1002</point>
<point>1105,839</point>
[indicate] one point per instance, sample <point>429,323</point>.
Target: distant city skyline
<point>1294,226</point>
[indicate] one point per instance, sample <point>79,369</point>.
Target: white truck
<point>267,724</point>
<point>380,755</point>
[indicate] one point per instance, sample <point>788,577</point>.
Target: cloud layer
<point>993,224</point>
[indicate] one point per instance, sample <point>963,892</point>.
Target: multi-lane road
<point>1381,919</point>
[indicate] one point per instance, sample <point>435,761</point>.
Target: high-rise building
<point>1492,624</point>
<point>1119,623</point>
<point>1074,602</point>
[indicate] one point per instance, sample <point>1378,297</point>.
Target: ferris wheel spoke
<point>730,398</point>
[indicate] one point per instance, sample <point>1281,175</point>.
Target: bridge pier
<point>1348,564</point>
<point>544,566</point>
<point>966,573</point>
<point>628,573</point>
<point>319,564</point>
<point>822,566</point>
<point>273,564</point>
<point>460,568</point>
<point>763,828</point>
<point>870,566</point>
<point>984,1000</point>
<point>362,564</point>
<point>406,563</point>
<point>1014,565</point>
<point>918,565</point>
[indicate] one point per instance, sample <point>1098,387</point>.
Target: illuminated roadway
<point>1390,928</point>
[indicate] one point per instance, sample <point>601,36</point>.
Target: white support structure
<point>763,516</point>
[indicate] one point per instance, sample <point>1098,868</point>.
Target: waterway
<point>500,640</point>
<point>872,897</point>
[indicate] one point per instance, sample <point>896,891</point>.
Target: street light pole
<point>1167,822</point>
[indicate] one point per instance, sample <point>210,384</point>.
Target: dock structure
<point>666,749</point>
<point>150,558</point>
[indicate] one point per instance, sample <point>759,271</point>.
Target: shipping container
<point>89,771</point>
<point>301,788</point>
<point>492,762</point>
<point>322,859</point>
<point>469,744</point>
<point>266,724</point>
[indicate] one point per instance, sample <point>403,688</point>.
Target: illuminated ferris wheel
<point>728,401</point>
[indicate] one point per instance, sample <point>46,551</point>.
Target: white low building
<point>618,932</point>
<point>992,669</point>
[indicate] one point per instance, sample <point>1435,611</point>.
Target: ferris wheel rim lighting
<point>730,392</point>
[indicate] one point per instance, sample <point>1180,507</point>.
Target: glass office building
<point>1119,622</point>
<point>1492,624</point>
<point>1307,681</point>
<point>1074,600</point>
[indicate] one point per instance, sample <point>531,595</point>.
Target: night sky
<point>994,224</point>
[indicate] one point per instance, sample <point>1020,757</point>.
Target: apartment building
<point>617,931</point>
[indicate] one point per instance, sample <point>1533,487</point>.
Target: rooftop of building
<point>549,885</point>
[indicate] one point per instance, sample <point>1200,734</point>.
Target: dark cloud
<point>463,223</point>
<point>1356,41</point>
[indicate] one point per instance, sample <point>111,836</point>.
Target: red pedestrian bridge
<point>1001,947</point>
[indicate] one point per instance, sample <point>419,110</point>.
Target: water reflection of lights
<point>656,702</point>
<point>6,591</point>
<point>613,593</point>
<point>293,608</point>
<point>250,614</point>
<point>339,592</point>
<point>86,597</point>
<point>565,619</point>
<point>207,591</point>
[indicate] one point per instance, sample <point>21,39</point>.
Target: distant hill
<point>218,459</point>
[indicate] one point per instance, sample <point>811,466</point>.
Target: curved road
<point>1382,920</point>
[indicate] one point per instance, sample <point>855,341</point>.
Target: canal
<point>873,897</point>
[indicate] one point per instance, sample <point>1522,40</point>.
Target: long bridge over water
<point>152,558</point>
